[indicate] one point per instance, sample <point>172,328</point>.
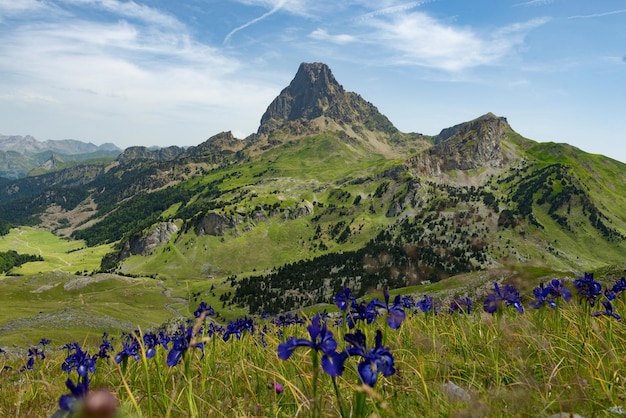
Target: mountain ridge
<point>322,196</point>
<point>21,156</point>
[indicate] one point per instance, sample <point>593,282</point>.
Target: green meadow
<point>61,255</point>
<point>540,363</point>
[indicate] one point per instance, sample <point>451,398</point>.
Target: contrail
<point>276,8</point>
<point>614,12</point>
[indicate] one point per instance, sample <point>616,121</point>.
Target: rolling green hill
<point>329,194</point>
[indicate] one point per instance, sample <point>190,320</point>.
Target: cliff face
<point>131,154</point>
<point>466,146</point>
<point>314,92</point>
<point>145,244</point>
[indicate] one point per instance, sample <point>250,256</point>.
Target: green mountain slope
<point>327,194</point>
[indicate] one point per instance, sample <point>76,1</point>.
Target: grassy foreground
<point>435,362</point>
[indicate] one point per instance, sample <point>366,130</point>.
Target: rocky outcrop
<point>213,224</point>
<point>467,146</point>
<point>216,148</point>
<point>131,154</point>
<point>146,244</point>
<point>304,209</point>
<point>313,93</point>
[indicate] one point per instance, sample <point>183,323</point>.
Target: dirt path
<point>39,250</point>
<point>168,294</point>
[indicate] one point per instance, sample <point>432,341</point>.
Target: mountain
<point>314,93</point>
<point>29,145</point>
<point>328,193</point>
<point>314,102</point>
<point>24,155</point>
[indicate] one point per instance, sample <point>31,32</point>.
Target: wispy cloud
<point>603,14</point>
<point>322,35</point>
<point>139,61</point>
<point>13,6</point>
<point>534,3</point>
<point>421,40</point>
<point>130,10</point>
<point>394,9</point>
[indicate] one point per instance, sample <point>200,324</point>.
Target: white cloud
<point>130,10</point>
<point>139,69</point>
<point>394,9</point>
<point>322,35</point>
<point>20,6</point>
<point>424,41</point>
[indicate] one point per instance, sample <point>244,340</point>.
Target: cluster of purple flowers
<point>374,360</point>
<point>238,328</point>
<point>508,296</point>
<point>549,294</point>
<point>80,361</point>
<point>34,353</point>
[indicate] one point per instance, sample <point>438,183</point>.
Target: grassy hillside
<point>74,308</point>
<point>60,255</point>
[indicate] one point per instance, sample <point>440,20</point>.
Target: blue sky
<point>175,72</point>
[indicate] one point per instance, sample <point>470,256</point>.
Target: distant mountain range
<point>21,154</point>
<point>328,193</point>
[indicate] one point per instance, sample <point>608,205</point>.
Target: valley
<point>327,194</point>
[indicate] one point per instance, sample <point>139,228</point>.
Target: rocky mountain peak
<point>314,92</point>
<point>466,146</point>
<point>132,154</point>
<point>308,96</point>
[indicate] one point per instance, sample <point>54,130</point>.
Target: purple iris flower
<point>181,342</point>
<point>558,289</point>
<point>130,348</point>
<point>361,312</point>
<point>79,360</point>
<point>238,327</point>
<point>588,288</point>
<point>510,296</point>
<point>548,294</point>
<point>205,309</point>
<point>151,341</point>
<point>321,340</point>
<point>344,300</point>
<point>395,311</point>
<point>77,393</point>
<point>608,311</point>
<point>33,353</point>
<point>375,360</point>
<point>542,294</point>
<point>461,305</point>
<point>620,285</point>
<point>105,347</point>
<point>427,304</point>
<point>408,302</point>
<point>287,319</point>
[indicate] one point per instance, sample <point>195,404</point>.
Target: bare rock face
<point>144,245</point>
<point>213,224</point>
<point>143,153</point>
<point>467,146</point>
<point>218,145</point>
<point>314,92</point>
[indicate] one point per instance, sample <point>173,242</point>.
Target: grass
<point>59,254</point>
<point>540,363</point>
<point>75,306</point>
